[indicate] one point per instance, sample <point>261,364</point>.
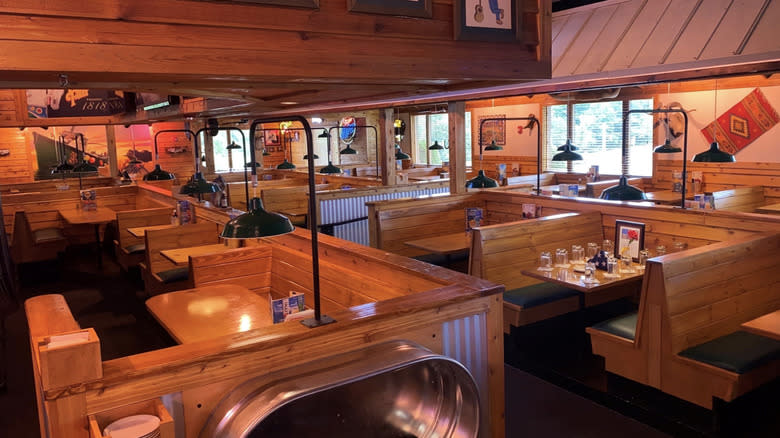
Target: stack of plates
<point>134,426</point>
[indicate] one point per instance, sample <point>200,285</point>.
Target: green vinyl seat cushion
<point>47,235</point>
<point>138,248</point>
<point>623,326</point>
<point>538,294</point>
<point>739,352</point>
<point>174,275</point>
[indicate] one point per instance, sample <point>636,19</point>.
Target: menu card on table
<point>88,200</point>
<point>286,309</point>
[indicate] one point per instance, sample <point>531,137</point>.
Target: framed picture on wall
<point>407,8</point>
<point>487,20</point>
<point>629,238</point>
<point>272,137</point>
<point>492,130</point>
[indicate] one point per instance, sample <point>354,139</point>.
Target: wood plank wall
<point>17,166</point>
<point>182,165</point>
<point>723,176</point>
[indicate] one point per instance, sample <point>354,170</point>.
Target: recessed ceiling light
<point>288,102</point>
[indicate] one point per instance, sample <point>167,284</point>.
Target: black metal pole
<point>318,319</point>
<point>531,119</point>
<point>188,131</point>
<point>685,139</point>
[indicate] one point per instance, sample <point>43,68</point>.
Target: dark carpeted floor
<point>554,386</point>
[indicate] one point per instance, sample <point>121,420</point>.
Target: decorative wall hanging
<point>493,130</point>
<point>743,123</point>
<point>347,130</point>
<point>407,8</point>
<point>487,20</point>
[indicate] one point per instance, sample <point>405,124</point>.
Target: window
<point>226,159</point>
<point>597,132</point>
<point>430,128</point>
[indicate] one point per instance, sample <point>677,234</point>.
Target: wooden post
<point>457,124</point>
<point>113,159</point>
<point>386,147</point>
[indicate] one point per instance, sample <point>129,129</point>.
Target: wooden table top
<point>769,209</point>
<point>206,312</point>
<point>181,256</point>
<point>574,279</point>
<point>141,231</point>
<point>667,197</point>
<point>444,244</point>
<point>767,325</point>
<point>77,216</point>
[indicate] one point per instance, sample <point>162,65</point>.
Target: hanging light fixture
<point>567,154</point>
<point>481,181</point>
<point>330,169</point>
<point>399,154</point>
<point>623,192</point>
<point>435,146</point>
<point>324,134</point>
<point>348,150</point>
<point>567,144</point>
<point>232,146</point>
<point>244,226</point>
<point>196,184</point>
<point>666,148</point>
<point>286,165</point>
<point>714,154</point>
<point>257,222</point>
<point>493,147</point>
<point>157,174</point>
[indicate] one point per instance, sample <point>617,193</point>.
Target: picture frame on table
<point>405,8</point>
<point>487,20</point>
<point>629,238</point>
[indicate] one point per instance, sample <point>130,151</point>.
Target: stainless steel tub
<point>395,389</point>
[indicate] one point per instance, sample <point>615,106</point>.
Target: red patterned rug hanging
<point>743,123</point>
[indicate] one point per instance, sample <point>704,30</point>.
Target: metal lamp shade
<point>714,155</point>
<point>435,146</point>
<point>401,155</point>
<point>256,223</point>
<point>324,134</point>
<point>348,151</point>
<point>158,175</point>
<point>568,143</point>
<point>233,146</point>
<point>567,154</point>
<point>198,185</point>
<point>63,168</point>
<point>330,168</point>
<point>306,157</point>
<point>666,148</point>
<point>623,192</point>
<point>265,152</point>
<point>251,164</point>
<point>493,147</point>
<point>286,165</point>
<point>481,182</point>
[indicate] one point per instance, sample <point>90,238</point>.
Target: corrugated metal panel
<point>462,340</point>
<point>344,209</point>
<point>619,35</point>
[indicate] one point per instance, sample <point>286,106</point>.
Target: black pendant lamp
<point>623,192</point>
<point>324,134</point>
<point>233,146</point>
<point>666,148</point>
<point>567,153</point>
<point>714,155</point>
<point>198,185</point>
<point>399,154</point>
<point>158,174</point>
<point>286,165</point>
<point>348,151</point>
<point>481,182</point>
<point>435,146</point>
<point>570,146</point>
<point>330,169</point>
<point>494,147</point>
<point>257,222</point>
<point>316,157</point>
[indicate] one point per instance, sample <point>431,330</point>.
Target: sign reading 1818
<point>74,103</point>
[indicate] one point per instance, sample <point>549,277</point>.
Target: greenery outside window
<point>226,160</point>
<point>430,128</point>
<point>597,132</point>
